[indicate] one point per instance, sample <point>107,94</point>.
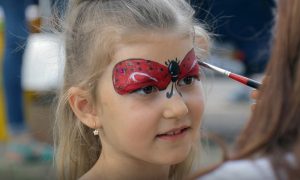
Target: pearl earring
<point>96,131</point>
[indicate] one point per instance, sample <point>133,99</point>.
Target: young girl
<point>131,102</point>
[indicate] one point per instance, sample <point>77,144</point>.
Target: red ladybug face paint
<point>133,74</point>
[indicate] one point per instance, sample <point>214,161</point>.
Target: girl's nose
<point>175,107</point>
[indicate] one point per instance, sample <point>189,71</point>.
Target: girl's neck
<point>116,167</point>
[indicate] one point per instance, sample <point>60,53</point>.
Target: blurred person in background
<point>246,26</point>
<point>269,146</point>
<point>16,33</point>
<point>22,146</point>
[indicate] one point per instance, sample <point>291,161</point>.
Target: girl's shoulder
<point>258,169</point>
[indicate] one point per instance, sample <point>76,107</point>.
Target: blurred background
<point>241,34</point>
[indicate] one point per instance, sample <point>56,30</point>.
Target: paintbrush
<point>244,80</point>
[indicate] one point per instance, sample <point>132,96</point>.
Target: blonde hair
<point>92,29</point>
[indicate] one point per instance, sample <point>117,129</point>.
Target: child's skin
<point>129,124</point>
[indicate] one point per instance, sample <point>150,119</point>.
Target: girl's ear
<point>83,107</point>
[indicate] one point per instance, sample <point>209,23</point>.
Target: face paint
<point>133,74</point>
<point>174,70</point>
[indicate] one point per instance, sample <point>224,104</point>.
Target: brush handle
<point>244,80</point>
<point>236,77</point>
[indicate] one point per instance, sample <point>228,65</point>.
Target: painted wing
<point>132,74</point>
<point>189,65</point>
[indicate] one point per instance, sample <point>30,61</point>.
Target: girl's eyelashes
<point>150,89</point>
<point>188,80</point>
<point>146,90</point>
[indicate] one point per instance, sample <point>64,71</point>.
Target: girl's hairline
<point>153,35</point>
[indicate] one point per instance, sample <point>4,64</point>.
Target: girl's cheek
<point>195,100</point>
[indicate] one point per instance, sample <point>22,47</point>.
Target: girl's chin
<point>176,158</point>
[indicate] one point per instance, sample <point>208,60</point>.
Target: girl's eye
<point>146,90</point>
<point>187,81</point>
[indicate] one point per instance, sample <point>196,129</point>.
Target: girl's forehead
<point>155,47</point>
<point>154,36</point>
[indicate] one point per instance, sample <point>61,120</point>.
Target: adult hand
<point>254,96</point>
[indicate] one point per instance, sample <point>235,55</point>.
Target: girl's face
<point>143,124</point>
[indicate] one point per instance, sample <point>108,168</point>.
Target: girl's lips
<point>174,134</point>
<point>174,130</point>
